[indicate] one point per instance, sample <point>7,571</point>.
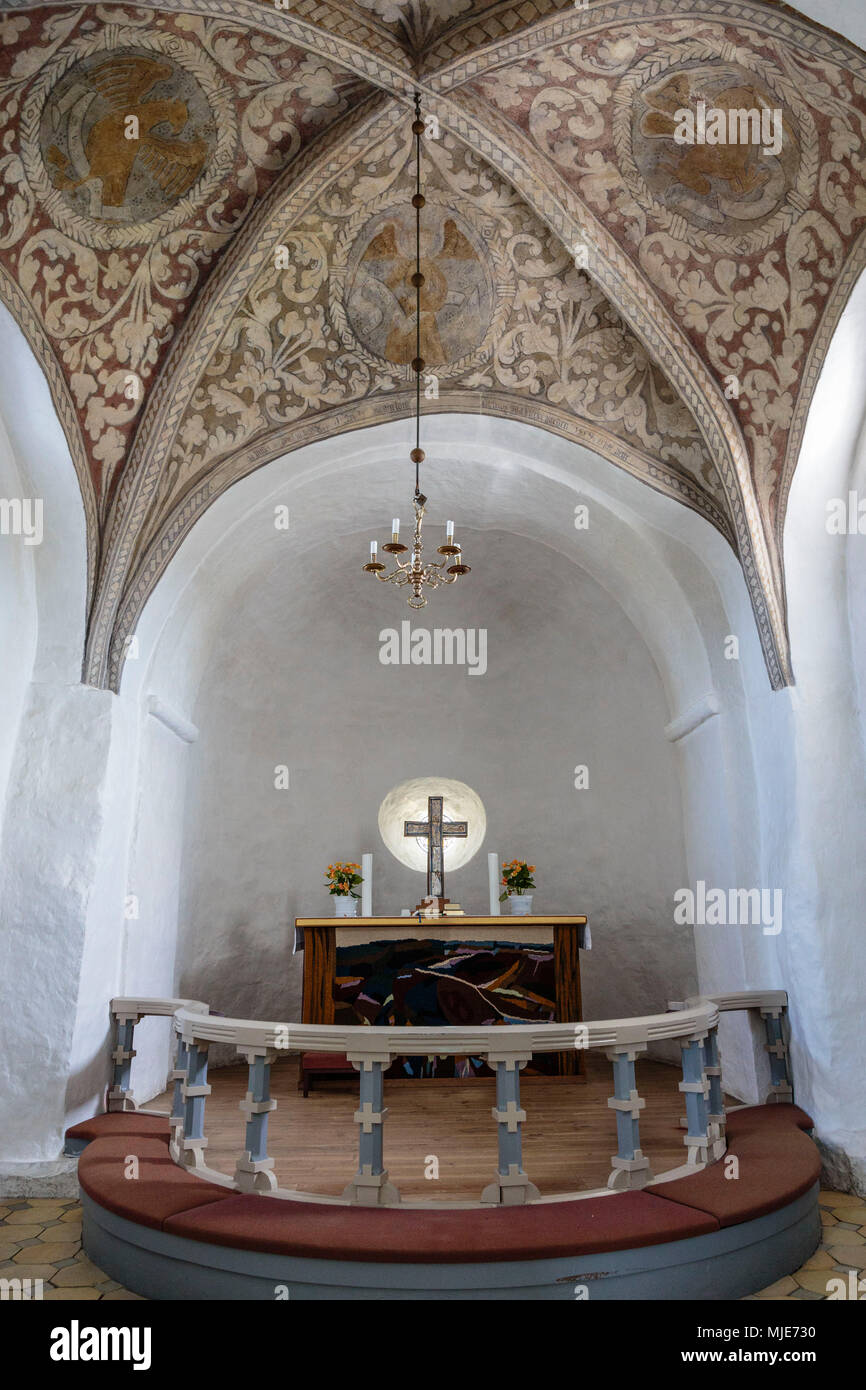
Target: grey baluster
<point>716,1098</point>
<point>180,1076</point>
<point>777,1050</point>
<point>120,1096</point>
<point>370,1186</point>
<point>254,1170</point>
<point>630,1167</point>
<point>195,1090</point>
<point>511,1186</point>
<point>695,1087</point>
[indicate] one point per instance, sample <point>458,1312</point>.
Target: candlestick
<point>374,546</point>
<point>449,532</point>
<point>367,885</point>
<point>395,529</point>
<point>493,880</point>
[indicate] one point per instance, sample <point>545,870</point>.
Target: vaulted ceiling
<point>230,284</point>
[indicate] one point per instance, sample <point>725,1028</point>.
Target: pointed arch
<point>131,572</point>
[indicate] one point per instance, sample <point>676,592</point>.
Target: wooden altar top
<point>360,931</point>
<point>537,919</point>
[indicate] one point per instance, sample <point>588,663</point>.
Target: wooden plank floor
<point>568,1137</point>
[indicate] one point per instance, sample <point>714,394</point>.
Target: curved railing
<point>126,1013</point>
<point>772,1005</point>
<point>506,1049</point>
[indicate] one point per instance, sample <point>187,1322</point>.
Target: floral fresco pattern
<point>294,348</point>
<point>744,256</point>
<point>110,293</point>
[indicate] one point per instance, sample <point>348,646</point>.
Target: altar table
<point>321,936</point>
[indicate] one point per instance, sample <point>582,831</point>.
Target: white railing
<point>506,1049</point>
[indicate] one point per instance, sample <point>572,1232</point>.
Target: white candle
<point>493,879</point>
<point>373,549</point>
<point>449,531</point>
<point>395,528</point>
<point>367,885</point>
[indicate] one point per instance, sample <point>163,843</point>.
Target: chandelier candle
<point>415,573</point>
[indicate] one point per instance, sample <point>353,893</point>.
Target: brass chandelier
<point>414,573</point>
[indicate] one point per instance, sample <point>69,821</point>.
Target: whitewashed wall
<point>824,953</point>
<point>18,621</point>
<point>48,819</point>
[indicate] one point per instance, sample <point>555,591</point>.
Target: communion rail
<point>506,1049</point>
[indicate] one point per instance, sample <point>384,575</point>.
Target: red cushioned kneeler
<point>553,1230</point>
<point>136,1122</point>
<point>777,1164</point>
<point>756,1117</point>
<point>161,1189</point>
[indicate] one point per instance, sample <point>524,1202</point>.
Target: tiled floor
<point>842,1248</point>
<point>42,1240</point>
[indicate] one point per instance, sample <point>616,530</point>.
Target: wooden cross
<point>433,830</point>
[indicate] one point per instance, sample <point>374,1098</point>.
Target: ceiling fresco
<point>205,234</point>
<point>424,30</point>
<point>743,242</point>
<point>109,238</point>
<point>504,313</point>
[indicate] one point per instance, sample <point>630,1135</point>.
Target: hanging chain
<point>418,278</point>
<point>414,572</point>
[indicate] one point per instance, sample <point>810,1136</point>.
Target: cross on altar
<point>433,830</point>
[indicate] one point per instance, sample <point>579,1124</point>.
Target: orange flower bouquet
<point>342,878</point>
<point>516,878</point>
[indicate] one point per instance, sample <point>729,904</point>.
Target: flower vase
<point>344,905</point>
<point>521,904</point>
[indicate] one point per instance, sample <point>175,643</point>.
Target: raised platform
<point>711,1235</point>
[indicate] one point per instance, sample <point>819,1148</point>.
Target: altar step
<point>173,1235</point>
